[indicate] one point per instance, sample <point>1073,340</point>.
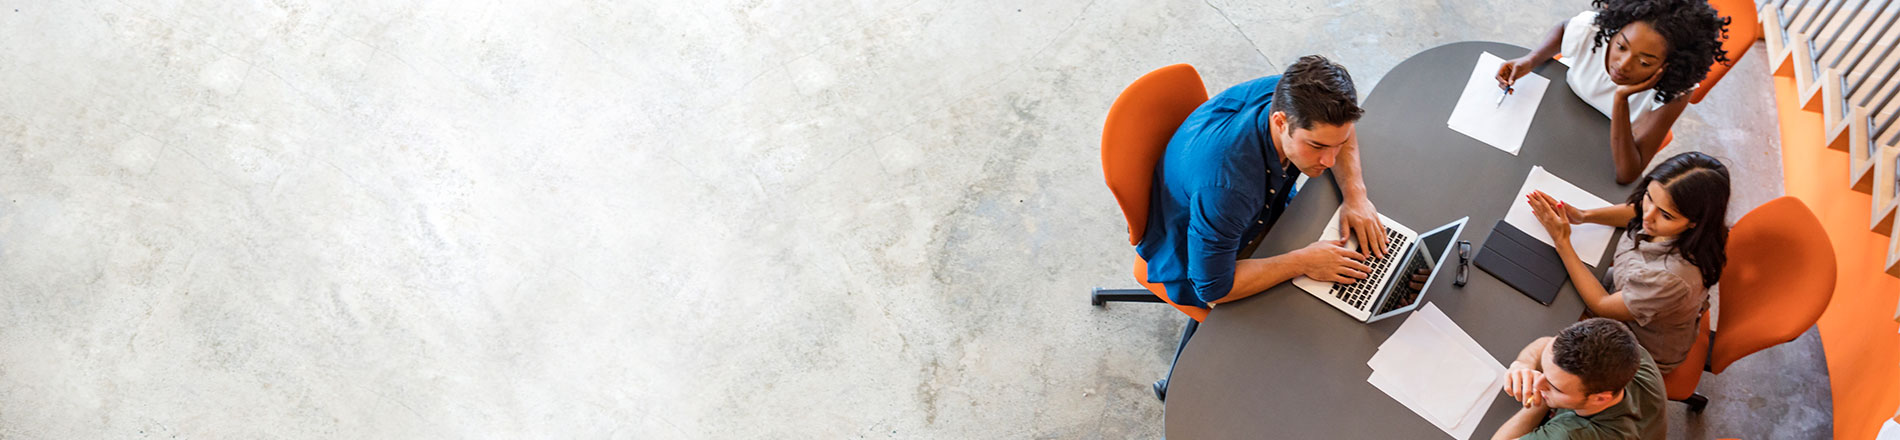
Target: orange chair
<point>1139,125</point>
<point>1779,278</point>
<point>1680,384</point>
<point>1743,28</point>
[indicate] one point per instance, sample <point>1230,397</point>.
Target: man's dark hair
<point>1601,351</point>
<point>1691,28</point>
<point>1315,89</point>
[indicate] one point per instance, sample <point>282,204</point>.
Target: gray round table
<point>1283,364</point>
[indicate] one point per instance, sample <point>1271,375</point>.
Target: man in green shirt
<point>1601,384</point>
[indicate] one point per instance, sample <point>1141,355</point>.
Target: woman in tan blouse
<point>1659,281</point>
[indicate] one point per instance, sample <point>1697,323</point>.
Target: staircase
<point>1842,55</point>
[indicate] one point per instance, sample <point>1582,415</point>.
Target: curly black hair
<point>1693,30</point>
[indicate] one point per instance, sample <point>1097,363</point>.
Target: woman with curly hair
<point>1636,61</point>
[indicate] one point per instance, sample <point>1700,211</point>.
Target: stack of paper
<point>1435,369</point>
<point>1590,240</point>
<point>1485,113</point>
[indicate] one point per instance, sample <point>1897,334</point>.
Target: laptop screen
<point>1425,257</point>
<point>1436,242</point>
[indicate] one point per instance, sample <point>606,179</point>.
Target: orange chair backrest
<point>1743,28</point>
<point>1139,125</point>
<point>1779,278</point>
<point>1680,383</point>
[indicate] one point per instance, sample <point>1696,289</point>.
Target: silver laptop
<point>1387,289</point>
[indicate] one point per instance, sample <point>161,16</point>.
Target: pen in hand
<point>1507,92</point>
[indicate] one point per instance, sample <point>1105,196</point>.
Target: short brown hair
<point>1315,89</point>
<point>1600,351</point>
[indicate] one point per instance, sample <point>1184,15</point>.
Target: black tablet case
<point>1523,262</point>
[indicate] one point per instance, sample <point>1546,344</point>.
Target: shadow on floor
<point>1777,393</point>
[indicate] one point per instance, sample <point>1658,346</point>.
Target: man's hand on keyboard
<point>1358,218</point>
<point>1331,261</point>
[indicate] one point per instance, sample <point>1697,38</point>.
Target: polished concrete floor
<point>706,219</point>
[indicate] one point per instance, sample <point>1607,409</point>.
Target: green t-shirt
<point>1640,415</point>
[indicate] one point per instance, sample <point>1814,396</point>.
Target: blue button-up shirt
<point>1219,184</point>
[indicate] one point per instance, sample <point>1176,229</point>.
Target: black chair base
<point>1696,402</point>
<point>1100,296</point>
<point>1161,386</point>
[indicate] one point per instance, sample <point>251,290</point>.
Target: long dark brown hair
<point>1699,186</point>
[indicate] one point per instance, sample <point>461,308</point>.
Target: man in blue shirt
<point>1228,172</point>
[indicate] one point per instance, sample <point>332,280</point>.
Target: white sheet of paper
<point>1476,416</point>
<point>1481,116</point>
<point>1426,367</point>
<point>1482,404</point>
<point>1590,240</point>
<point>1465,427</point>
<point>1888,431</point>
<point>1392,371</point>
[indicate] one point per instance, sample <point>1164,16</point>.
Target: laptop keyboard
<point>1403,294</point>
<point>1360,293</point>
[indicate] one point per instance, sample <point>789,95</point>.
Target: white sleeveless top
<point>1587,76</point>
